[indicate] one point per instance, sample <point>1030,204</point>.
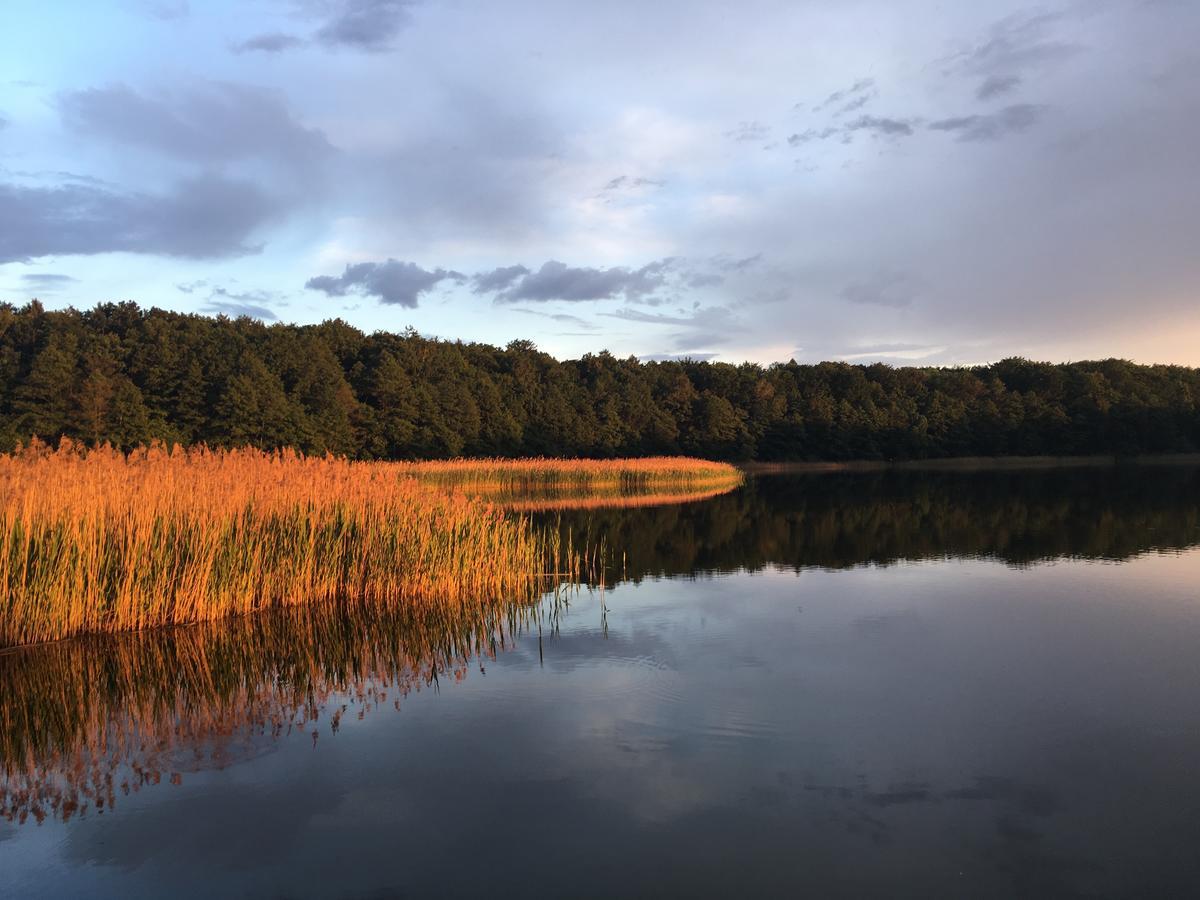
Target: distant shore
<point>972,463</point>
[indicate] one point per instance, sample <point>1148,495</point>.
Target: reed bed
<point>515,476</point>
<point>96,540</point>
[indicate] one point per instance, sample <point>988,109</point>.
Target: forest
<point>128,376</point>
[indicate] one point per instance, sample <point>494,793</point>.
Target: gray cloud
<point>213,123</point>
<point>47,280</point>
<point>707,326</point>
<point>882,125</point>
<point>894,289</point>
<point>857,103</point>
<point>629,182</point>
<point>996,85</point>
<point>860,86</point>
<point>813,134</point>
<point>393,282</point>
<point>370,25</point>
<point>879,126</point>
<point>992,126</point>
<point>3,123</point>
<point>271,42</point>
<point>498,279</point>
<point>749,131</point>
<point>1019,42</point>
<point>203,217</point>
<point>167,10</point>
<point>558,281</point>
<point>564,318</point>
<point>236,309</point>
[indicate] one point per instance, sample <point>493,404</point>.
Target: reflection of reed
<point>85,721</point>
<point>549,501</point>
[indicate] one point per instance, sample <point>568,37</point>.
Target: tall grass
<point>94,540</point>
<point>517,476</point>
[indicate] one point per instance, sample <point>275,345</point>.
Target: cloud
<point>861,86</point>
<point>393,282</point>
<point>812,134</point>
<point>1018,42</point>
<point>992,126</point>
<point>995,85</point>
<point>558,281</point>
<point>703,326</point>
<point>167,10</point>
<point>497,279</point>
<point>370,25</point>
<point>894,289</point>
<point>565,318</point>
<point>235,309</point>
<point>47,282</point>
<point>879,126</point>
<point>624,182</point>
<point>204,217</point>
<point>857,103</point>
<point>216,122</point>
<point>749,131</point>
<point>271,42</point>
<point>3,123</point>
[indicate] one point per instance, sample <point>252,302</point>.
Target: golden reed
<point>95,540</point>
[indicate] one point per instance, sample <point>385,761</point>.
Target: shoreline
<point>969,463</point>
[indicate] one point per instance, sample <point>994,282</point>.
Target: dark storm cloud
<point>393,282</point>
<point>992,126</point>
<point>202,217</point>
<point>271,42</point>
<point>498,279</point>
<point>213,123</point>
<point>996,85</point>
<point>558,281</point>
<point>370,25</point>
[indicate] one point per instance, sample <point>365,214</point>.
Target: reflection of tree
<point>83,721</point>
<point>837,520</point>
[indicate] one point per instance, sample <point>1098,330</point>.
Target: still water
<point>842,685</point>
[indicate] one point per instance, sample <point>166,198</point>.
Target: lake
<point>890,683</point>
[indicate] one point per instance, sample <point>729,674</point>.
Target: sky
<point>917,183</point>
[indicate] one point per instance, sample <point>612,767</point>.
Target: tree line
<point>126,375</point>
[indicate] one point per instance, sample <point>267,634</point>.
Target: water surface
<point>890,684</point>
